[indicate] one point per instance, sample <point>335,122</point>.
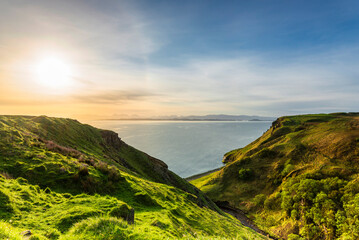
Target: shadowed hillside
<point>298,180</point>
<point>61,179</point>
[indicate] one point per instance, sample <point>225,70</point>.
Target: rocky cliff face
<point>113,141</point>
<point>149,166</point>
<point>111,138</point>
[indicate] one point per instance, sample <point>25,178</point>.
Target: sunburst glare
<point>53,72</point>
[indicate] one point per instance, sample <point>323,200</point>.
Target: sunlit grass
<point>63,180</point>
<point>320,149</point>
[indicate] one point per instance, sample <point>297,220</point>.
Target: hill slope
<point>300,179</point>
<point>61,179</point>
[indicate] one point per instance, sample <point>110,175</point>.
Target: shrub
<point>54,147</point>
<point>294,214</point>
<point>113,174</point>
<point>259,199</point>
<point>245,174</point>
<point>102,167</point>
<point>89,184</point>
<point>287,169</point>
<point>88,160</point>
<point>6,175</point>
<point>267,153</point>
<point>273,202</point>
<point>83,170</point>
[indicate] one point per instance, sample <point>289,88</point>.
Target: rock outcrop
<point>111,138</point>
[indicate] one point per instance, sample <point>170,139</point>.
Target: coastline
<point>199,175</point>
<point>182,120</point>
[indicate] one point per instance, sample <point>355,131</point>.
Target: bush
<point>259,199</point>
<point>287,169</point>
<point>67,151</point>
<point>89,184</point>
<point>267,153</point>
<point>83,170</point>
<point>113,174</point>
<point>294,214</point>
<point>273,202</point>
<point>6,175</point>
<point>102,167</point>
<point>245,174</point>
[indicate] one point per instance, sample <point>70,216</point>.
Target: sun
<point>53,72</point>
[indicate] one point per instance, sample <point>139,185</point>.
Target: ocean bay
<point>187,147</point>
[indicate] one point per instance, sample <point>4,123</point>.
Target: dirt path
<point>241,216</point>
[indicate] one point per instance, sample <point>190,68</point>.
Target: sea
<point>187,147</point>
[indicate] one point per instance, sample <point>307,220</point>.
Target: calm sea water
<point>188,148</point>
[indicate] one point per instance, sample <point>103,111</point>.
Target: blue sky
<point>150,58</point>
<point>229,28</point>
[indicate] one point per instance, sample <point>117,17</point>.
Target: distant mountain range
<point>213,117</point>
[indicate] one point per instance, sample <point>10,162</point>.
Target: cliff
<point>60,179</point>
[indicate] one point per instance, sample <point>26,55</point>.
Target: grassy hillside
<point>299,180</point>
<point>61,179</point>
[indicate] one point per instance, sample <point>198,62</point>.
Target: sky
<point>98,59</point>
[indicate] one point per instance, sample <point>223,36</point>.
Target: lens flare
<point>53,72</point>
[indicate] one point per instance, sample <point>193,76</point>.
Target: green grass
<point>53,152</point>
<point>7,231</point>
<point>49,213</point>
<point>321,148</point>
<point>65,180</point>
<point>116,229</point>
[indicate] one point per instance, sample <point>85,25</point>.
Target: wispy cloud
<point>186,58</point>
<point>113,28</point>
<point>257,83</point>
<point>115,96</point>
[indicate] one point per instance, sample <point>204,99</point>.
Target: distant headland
<point>213,117</point>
